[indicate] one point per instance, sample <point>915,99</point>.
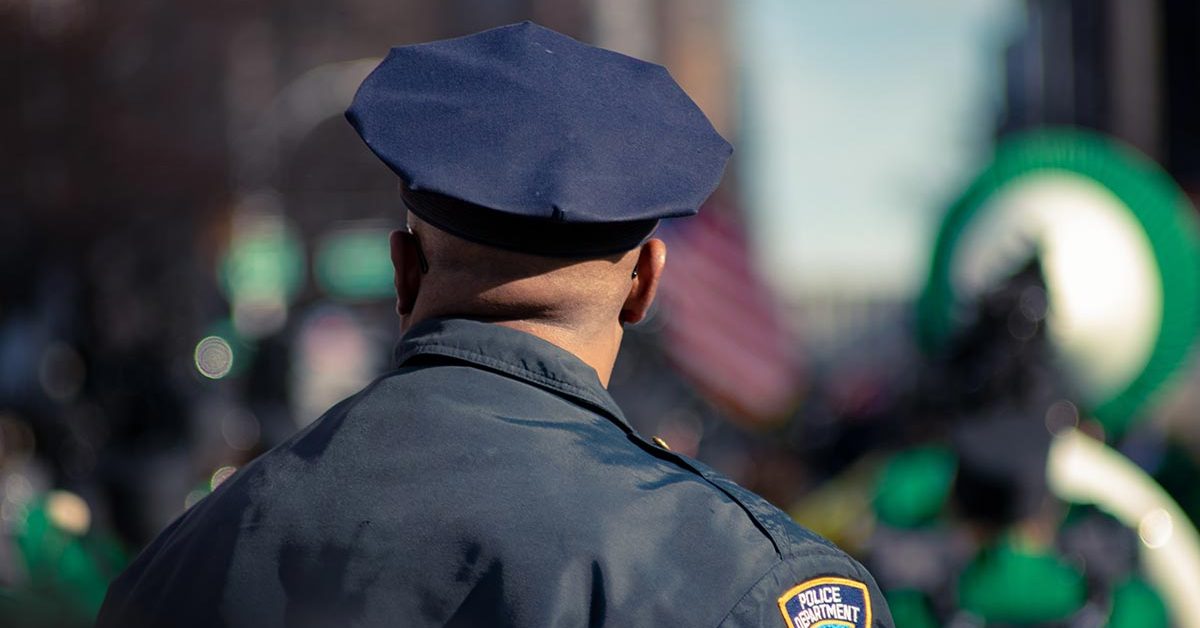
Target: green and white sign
<point>1119,247</point>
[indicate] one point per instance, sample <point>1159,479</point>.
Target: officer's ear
<point>652,257</point>
<point>408,264</point>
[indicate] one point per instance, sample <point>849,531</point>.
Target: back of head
<point>475,280</point>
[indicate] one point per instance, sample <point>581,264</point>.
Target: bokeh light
<point>213,357</point>
<point>69,512</point>
<point>1155,528</point>
<point>220,475</point>
<point>194,496</point>
<point>1061,415</point>
<point>240,429</point>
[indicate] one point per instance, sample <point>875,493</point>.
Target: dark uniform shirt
<point>489,481</point>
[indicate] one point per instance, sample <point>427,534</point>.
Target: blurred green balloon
<point>67,571</point>
<point>914,486</point>
<point>1007,584</point>
<point>1136,605</point>
<point>910,609</point>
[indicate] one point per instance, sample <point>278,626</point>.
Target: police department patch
<point>831,602</point>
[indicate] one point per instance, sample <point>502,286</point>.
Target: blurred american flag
<point>723,330</point>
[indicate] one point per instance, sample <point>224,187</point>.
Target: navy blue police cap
<point>523,138</point>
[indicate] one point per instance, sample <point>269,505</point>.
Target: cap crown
<point>529,122</point>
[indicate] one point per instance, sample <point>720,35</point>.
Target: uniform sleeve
<point>802,590</point>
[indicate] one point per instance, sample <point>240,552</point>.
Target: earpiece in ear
<point>634,275</point>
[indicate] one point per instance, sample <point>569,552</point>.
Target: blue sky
<point>860,120</point>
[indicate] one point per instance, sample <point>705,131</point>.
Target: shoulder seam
<point>758,522</point>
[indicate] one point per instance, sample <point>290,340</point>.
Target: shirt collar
<point>512,353</point>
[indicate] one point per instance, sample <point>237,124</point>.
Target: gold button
<point>661,443</point>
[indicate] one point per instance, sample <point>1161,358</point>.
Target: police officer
<point>490,480</point>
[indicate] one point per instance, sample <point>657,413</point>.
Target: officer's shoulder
<point>812,580</point>
<point>809,573</point>
<point>820,583</point>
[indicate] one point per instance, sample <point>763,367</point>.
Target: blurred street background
<point>941,310</point>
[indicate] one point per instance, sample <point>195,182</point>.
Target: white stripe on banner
<point>722,327</point>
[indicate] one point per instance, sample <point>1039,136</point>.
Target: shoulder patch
<point>827,602</point>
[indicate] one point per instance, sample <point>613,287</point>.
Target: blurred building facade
<point>1122,67</point>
